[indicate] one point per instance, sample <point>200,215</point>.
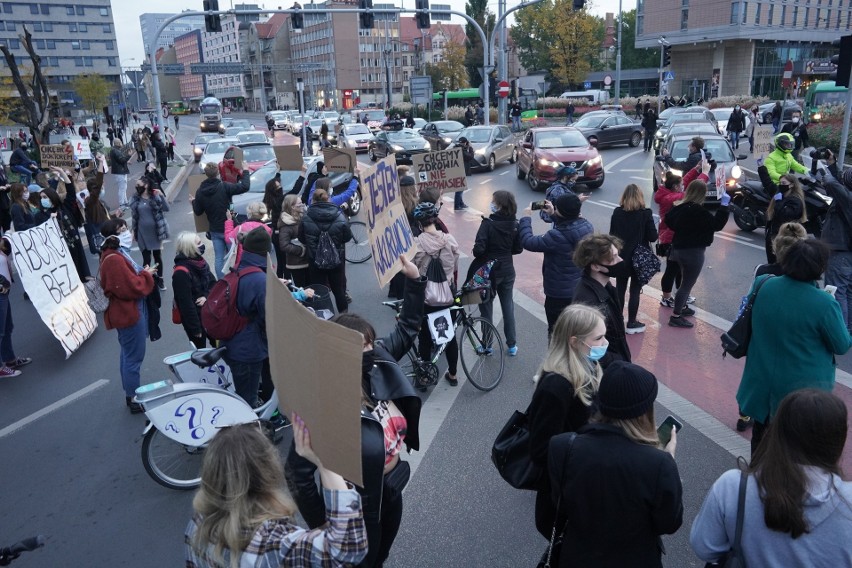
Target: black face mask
<point>140,189</point>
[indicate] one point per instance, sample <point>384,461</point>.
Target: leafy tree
<point>94,90</point>
<point>631,56</point>
<point>450,73</point>
<point>35,110</point>
<point>478,10</point>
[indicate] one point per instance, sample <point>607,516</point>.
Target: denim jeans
<point>459,199</point>
<point>132,340</point>
<point>839,273</point>
<point>6,352</point>
<point>504,286</point>
<point>220,249</point>
<point>516,123</point>
<point>246,379</point>
<point>26,174</point>
<point>735,139</point>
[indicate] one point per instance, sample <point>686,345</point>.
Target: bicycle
<point>480,349</point>
<point>9,553</point>
<point>358,249</point>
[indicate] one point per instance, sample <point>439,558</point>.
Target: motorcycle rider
<point>837,234</point>
<point>696,145</point>
<point>566,177</point>
<point>780,161</point>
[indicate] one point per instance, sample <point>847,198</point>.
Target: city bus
<point>461,97</point>
<point>178,107</point>
<point>822,93</point>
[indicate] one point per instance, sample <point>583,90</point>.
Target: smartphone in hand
<point>664,432</point>
<point>537,205</point>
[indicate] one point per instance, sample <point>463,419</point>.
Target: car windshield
<point>333,115</point>
<point>718,150</point>
<point>251,137</point>
<point>357,129</point>
<point>560,139</point>
<point>258,154</point>
<point>667,113</point>
<point>376,115</point>
<point>692,128</point>
<point>244,124</point>
<point>476,135</point>
<point>449,126</point>
<point>829,98</point>
<point>722,115</point>
<point>260,178</point>
<point>685,118</point>
<point>590,121</point>
<point>296,118</point>
<point>212,109</point>
<point>233,130</point>
<point>204,138</point>
<point>316,122</point>
<point>218,147</point>
<point>400,135</point>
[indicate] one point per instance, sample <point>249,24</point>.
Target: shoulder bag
<point>511,453</point>
<point>645,263</point>
<point>98,301</point>
<point>735,341</point>
<point>734,557</point>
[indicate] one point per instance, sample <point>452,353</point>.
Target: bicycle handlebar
<point>10,553</point>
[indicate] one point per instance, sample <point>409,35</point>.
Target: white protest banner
<point>48,274</point>
<point>387,223</point>
<point>81,149</point>
<point>444,170</point>
<point>441,326</point>
<point>762,141</point>
<point>720,180</point>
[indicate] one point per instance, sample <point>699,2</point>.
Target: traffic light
<point>667,55</point>
<point>366,17</point>
<point>298,20</point>
<point>423,20</point>
<point>843,60</point>
<point>513,89</point>
<point>579,5</point>
<point>212,23</point>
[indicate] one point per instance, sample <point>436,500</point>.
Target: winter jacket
<point>788,209</point>
<point>288,242</point>
<point>325,217</point>
<point>159,206</point>
<point>468,156</point>
<point>160,148</point>
<point>779,162</point>
<point>559,273</point>
<point>837,230</point>
<point>249,345</point>
<point>799,132</point>
<point>605,298</point>
<point>498,239</point>
<point>214,197</point>
<point>124,287</point>
<point>191,280</point>
<point>693,225</point>
<point>633,228</point>
<point>20,158</point>
<point>118,158</point>
<point>736,122</point>
<point>96,147</point>
<point>555,190</point>
<point>649,121</point>
<point>338,198</point>
<point>438,245</point>
<point>232,232</point>
<point>665,198</point>
<point>690,162</point>
<point>22,217</point>
<point>617,497</point>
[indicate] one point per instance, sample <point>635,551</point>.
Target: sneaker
<point>461,207</point>
<point>512,351</point>
<point>161,284</point>
<point>453,382</point>
<point>690,299</point>
<point>678,321</point>
<point>480,350</point>
<point>19,362</point>
<point>634,327</point>
<point>667,302</point>
<point>135,408</point>
<point>7,372</point>
<point>687,311</point>
<point>744,423</point>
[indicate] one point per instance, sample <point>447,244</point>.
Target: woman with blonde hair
<point>244,517</point>
<point>191,282</point>
<point>289,224</point>
<point>788,235</point>
<point>256,213</point>
<point>633,223</point>
<point>693,227</point>
<point>566,384</point>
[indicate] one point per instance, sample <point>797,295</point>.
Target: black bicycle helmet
<point>425,210</point>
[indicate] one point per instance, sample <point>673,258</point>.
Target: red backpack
<point>219,315</point>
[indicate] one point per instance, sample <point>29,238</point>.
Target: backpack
<point>438,289</point>
<point>326,257</point>
<point>219,315</point>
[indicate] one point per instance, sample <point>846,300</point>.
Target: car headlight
<point>447,139</point>
<point>736,172</point>
<point>203,124</point>
<point>678,173</point>
<point>817,116</point>
<point>397,148</point>
<point>426,145</point>
<point>197,151</point>
<point>595,161</point>
<point>549,163</point>
<point>480,152</point>
<point>658,134</point>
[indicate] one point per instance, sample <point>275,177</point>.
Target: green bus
<point>820,94</point>
<point>461,97</point>
<point>178,107</point>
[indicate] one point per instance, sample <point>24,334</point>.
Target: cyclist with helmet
<point>566,178</point>
<point>781,161</point>
<point>432,243</point>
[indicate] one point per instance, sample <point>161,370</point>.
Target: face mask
<point>736,108</point>
<point>140,189</point>
<point>795,120</point>
<point>45,202</point>
<point>26,195</point>
<point>125,239</point>
<point>596,352</point>
<point>201,248</point>
<point>494,208</point>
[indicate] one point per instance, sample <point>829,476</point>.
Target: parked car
<point>667,113</point>
<point>279,119</point>
<point>545,150</point>
<point>215,150</point>
<point>718,150</point>
<point>249,136</point>
<point>788,108</point>
<point>491,145</point>
<point>441,133</point>
<point>723,114</point>
<point>681,118</point>
<point>254,156</point>
<point>200,143</point>
<point>702,128</point>
<point>355,136</point>
<point>610,129</point>
<point>402,143</point>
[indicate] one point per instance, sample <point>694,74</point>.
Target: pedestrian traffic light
<point>513,85</point>
<point>212,23</point>
<point>843,60</point>
<point>667,55</point>
<point>366,17</point>
<point>423,19</point>
<point>298,20</point>
<point>579,5</point>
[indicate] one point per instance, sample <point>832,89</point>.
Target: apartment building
<point>726,47</point>
<point>420,48</point>
<point>189,50</point>
<point>224,47</point>
<point>151,22</point>
<point>269,83</point>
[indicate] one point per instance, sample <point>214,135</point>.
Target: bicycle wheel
<point>171,464</point>
<point>358,249</point>
<point>481,350</point>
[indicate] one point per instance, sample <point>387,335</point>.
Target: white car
<point>215,150</point>
<point>723,114</point>
<point>330,117</point>
<point>279,119</point>
<point>419,123</point>
<point>251,136</point>
<point>355,136</point>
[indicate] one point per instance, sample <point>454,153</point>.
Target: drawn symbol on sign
<point>194,417</point>
<point>171,426</point>
<point>217,410</point>
<point>424,176</point>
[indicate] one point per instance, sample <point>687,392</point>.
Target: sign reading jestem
<point>47,271</point>
<point>387,223</point>
<point>762,141</point>
<point>444,170</point>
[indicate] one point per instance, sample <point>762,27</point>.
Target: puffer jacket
<point>214,197</point>
<point>437,245</point>
<point>665,198</point>
<point>498,239</point>
<point>559,273</point>
<point>124,287</point>
<point>324,217</point>
<point>779,162</point>
<point>158,205</point>
<point>837,231</point>
<point>288,232</point>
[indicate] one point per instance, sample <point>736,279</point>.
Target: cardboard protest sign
<point>387,223</point>
<point>81,149</point>
<point>202,225</point>
<point>762,141</point>
<point>316,368</point>
<point>47,272</point>
<point>238,159</point>
<point>720,180</point>
<point>340,160</point>
<point>289,157</point>
<point>444,170</point>
<point>441,326</point>
<point>56,155</point>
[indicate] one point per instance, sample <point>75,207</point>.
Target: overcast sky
<point>129,36</point>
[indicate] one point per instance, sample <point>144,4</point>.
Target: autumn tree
<point>94,90</point>
<point>35,110</point>
<point>631,56</point>
<point>450,72</point>
<point>478,10</point>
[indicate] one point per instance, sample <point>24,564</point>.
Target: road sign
<point>669,76</point>
<point>787,77</point>
<point>421,89</point>
<point>216,68</point>
<point>503,89</point>
<point>608,80</point>
<point>587,85</point>
<point>165,111</point>
<point>441,12</point>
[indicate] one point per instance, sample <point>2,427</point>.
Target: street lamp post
<point>300,86</point>
<point>663,43</point>
<point>618,58</point>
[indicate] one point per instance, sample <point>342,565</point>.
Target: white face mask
<point>795,120</point>
<point>125,239</point>
<point>26,195</point>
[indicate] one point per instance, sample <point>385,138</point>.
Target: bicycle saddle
<point>207,358</point>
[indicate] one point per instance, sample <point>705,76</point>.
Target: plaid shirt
<point>342,541</point>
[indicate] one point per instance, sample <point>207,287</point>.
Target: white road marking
<point>15,426</point>
<point>726,237</point>
<point>615,162</point>
<point>504,173</point>
<point>632,171</point>
<point>640,178</point>
<point>483,182</point>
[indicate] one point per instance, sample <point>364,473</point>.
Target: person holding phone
<point>616,488</point>
<point>150,229</point>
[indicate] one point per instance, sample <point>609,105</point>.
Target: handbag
<point>98,301</point>
<point>553,551</point>
<point>511,453</point>
<point>663,249</point>
<point>735,341</point>
<point>645,263</point>
<point>397,479</point>
<point>734,557</point>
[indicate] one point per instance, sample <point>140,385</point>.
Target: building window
<point>111,61</point>
<point>82,28</point>
<point>85,44</point>
<point>109,45</point>
<point>735,12</point>
<point>770,15</point>
<point>69,10</point>
<point>10,26</point>
<point>745,11</point>
<point>48,27</point>
<point>14,44</point>
<point>88,61</point>
<point>7,7</point>
<point>684,18</point>
<point>783,15</point>
<point>51,44</point>
<point>72,27</point>
<point>684,3</point>
<point>78,61</point>
<point>807,16</point>
<point>107,28</point>
<point>640,24</point>
<point>45,9</point>
<point>757,15</point>
<point>795,21</point>
<point>75,44</point>
<point>640,6</point>
<point>39,43</point>
<point>36,26</point>
<point>81,11</point>
<point>33,8</point>
<point>104,11</point>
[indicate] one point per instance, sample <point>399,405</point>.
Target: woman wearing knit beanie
<point>617,491</point>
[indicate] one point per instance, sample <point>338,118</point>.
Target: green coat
<point>797,328</point>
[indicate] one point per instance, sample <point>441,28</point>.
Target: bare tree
<point>35,96</point>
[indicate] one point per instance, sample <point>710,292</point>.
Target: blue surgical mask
<point>596,352</point>
<point>494,208</point>
<point>45,202</point>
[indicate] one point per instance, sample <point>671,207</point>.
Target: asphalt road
<point>71,467</point>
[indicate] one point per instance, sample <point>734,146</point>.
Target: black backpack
<point>326,256</point>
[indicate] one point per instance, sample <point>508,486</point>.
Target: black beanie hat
<point>407,180</point>
<point>626,391</point>
<point>568,206</point>
<point>257,241</point>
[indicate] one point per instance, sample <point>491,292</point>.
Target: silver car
<point>491,145</point>
<point>215,150</point>
<point>355,136</point>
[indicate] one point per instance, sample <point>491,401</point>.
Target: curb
<point>177,182</point>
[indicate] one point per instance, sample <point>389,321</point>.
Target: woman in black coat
<point>786,205</point>
<point>616,489</point>
<point>162,154</point>
<point>67,212</point>
<point>191,282</point>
